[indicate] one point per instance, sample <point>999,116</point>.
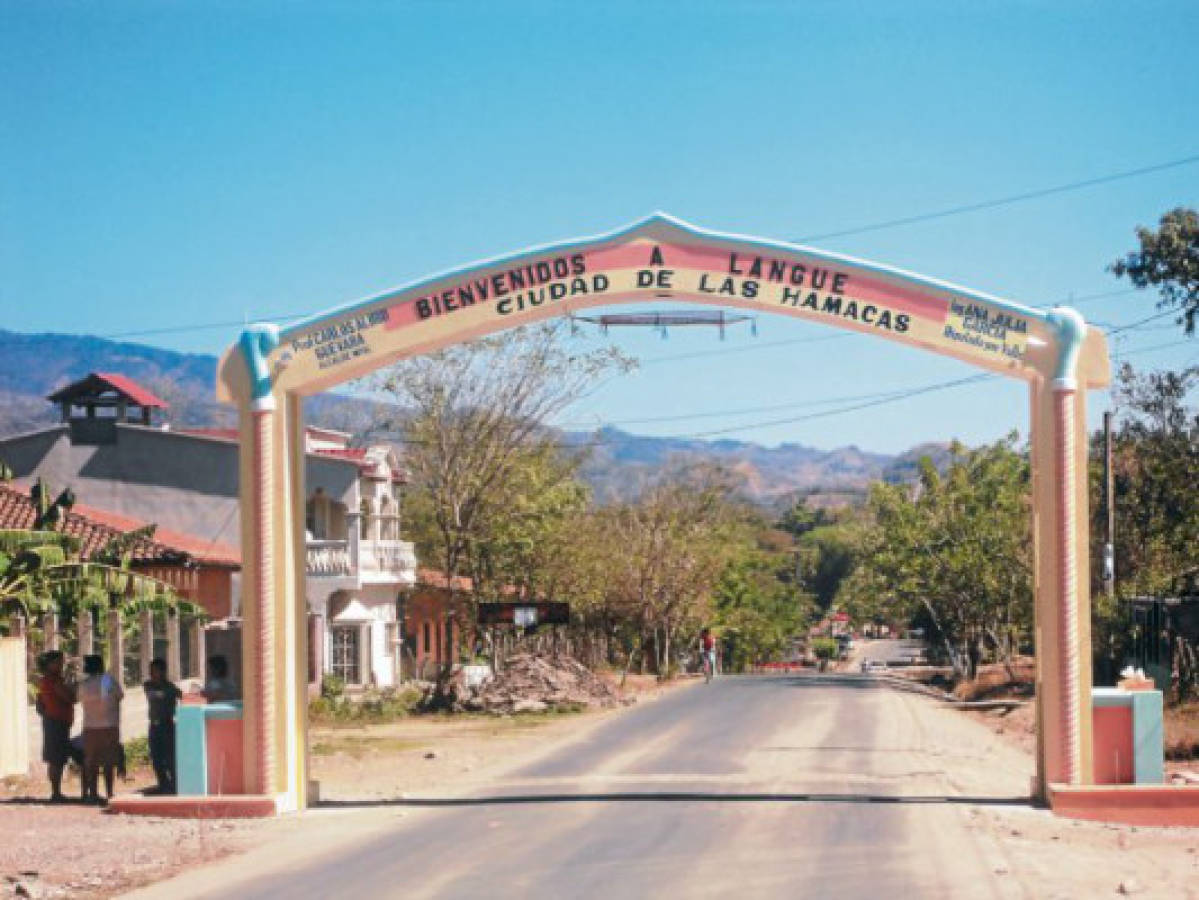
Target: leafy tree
<point>1155,457</point>
<point>1169,261</point>
<point>828,555</point>
<point>475,431</point>
<point>758,613</point>
<point>525,526</point>
<point>956,547</point>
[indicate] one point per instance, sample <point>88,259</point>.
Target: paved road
<point>889,651</point>
<point>749,787</point>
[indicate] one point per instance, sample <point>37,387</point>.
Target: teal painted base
<point>191,743</point>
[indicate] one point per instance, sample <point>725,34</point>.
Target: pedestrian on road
<point>56,705</point>
<point>100,695</point>
<point>707,644</point>
<point>162,696</point>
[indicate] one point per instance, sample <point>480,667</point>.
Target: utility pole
<point>1109,508</point>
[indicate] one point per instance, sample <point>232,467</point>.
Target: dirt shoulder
<point>71,850</point>
<point>444,752</point>
<point>1045,856</point>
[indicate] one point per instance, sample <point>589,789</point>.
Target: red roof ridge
<point>141,395</point>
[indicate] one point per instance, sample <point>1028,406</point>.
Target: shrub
<point>371,708</point>
<point>825,648</point>
<point>333,687</point>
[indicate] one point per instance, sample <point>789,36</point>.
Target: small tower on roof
<point>96,404</point>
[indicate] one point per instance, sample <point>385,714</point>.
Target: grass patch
<point>137,752</point>
<point>371,708</point>
<point>358,746</point>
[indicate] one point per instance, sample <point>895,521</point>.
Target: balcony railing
<point>375,558</point>
<point>387,557</point>
<point>328,558</point>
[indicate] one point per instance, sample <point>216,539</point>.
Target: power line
<point>1004,201</point>
<point>878,226</point>
<point>1136,350</point>
<point>724,351</point>
<point>1137,324</point>
<point>941,386</point>
<point>203,326</point>
<point>881,400</point>
<point>744,411</point>
<point>1102,295</point>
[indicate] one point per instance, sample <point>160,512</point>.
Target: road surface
<point>754,787</point>
<point>890,651</point>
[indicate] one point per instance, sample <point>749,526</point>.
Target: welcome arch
<point>270,370</point>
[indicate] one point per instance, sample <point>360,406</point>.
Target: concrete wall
<point>183,482</point>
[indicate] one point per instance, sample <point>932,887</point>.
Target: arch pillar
<point>1061,578</point>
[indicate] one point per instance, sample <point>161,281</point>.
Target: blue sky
<point>167,165</point>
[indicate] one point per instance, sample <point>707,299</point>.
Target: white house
<point>108,450</point>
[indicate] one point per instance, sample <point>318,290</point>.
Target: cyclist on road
<point>707,647</point>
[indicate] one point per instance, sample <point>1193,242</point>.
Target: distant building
<point>109,451</point>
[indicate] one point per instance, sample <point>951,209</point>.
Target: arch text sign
<point>660,259</point>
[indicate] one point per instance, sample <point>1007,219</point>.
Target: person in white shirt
<point>100,696</point>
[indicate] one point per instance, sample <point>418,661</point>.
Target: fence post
<point>173,668</point>
<point>197,648</point>
<point>85,625</point>
<point>50,630</point>
<point>145,642</point>
<point>116,646</point>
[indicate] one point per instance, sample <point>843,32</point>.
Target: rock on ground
<point>527,682</point>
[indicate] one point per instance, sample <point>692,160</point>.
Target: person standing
<point>707,646</point>
<point>162,696</point>
<point>219,687</point>
<point>100,696</point>
<point>56,706</point>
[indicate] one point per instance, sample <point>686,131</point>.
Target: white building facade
<point>357,567</point>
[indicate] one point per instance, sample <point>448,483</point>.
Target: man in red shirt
<point>56,703</point>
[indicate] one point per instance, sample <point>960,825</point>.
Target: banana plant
<point>41,571</point>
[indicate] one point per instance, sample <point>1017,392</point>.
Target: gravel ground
<point>71,850</point>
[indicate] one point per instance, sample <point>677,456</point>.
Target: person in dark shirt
<point>162,696</point>
<point>219,687</point>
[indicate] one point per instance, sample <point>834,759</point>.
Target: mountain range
<point>619,466</point>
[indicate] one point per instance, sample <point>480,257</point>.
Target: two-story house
<point>109,451</point>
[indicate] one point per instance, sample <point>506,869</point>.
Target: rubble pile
<point>527,683</point>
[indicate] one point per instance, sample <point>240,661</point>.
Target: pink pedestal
<point>226,774</point>
<point>1113,745</point>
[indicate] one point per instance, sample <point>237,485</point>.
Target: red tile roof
<point>436,579</point>
<point>96,527</point>
<point>138,394</point>
<point>122,384</point>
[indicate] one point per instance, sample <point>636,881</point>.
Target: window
<point>344,663</point>
<point>426,647</point>
<point>364,523</point>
